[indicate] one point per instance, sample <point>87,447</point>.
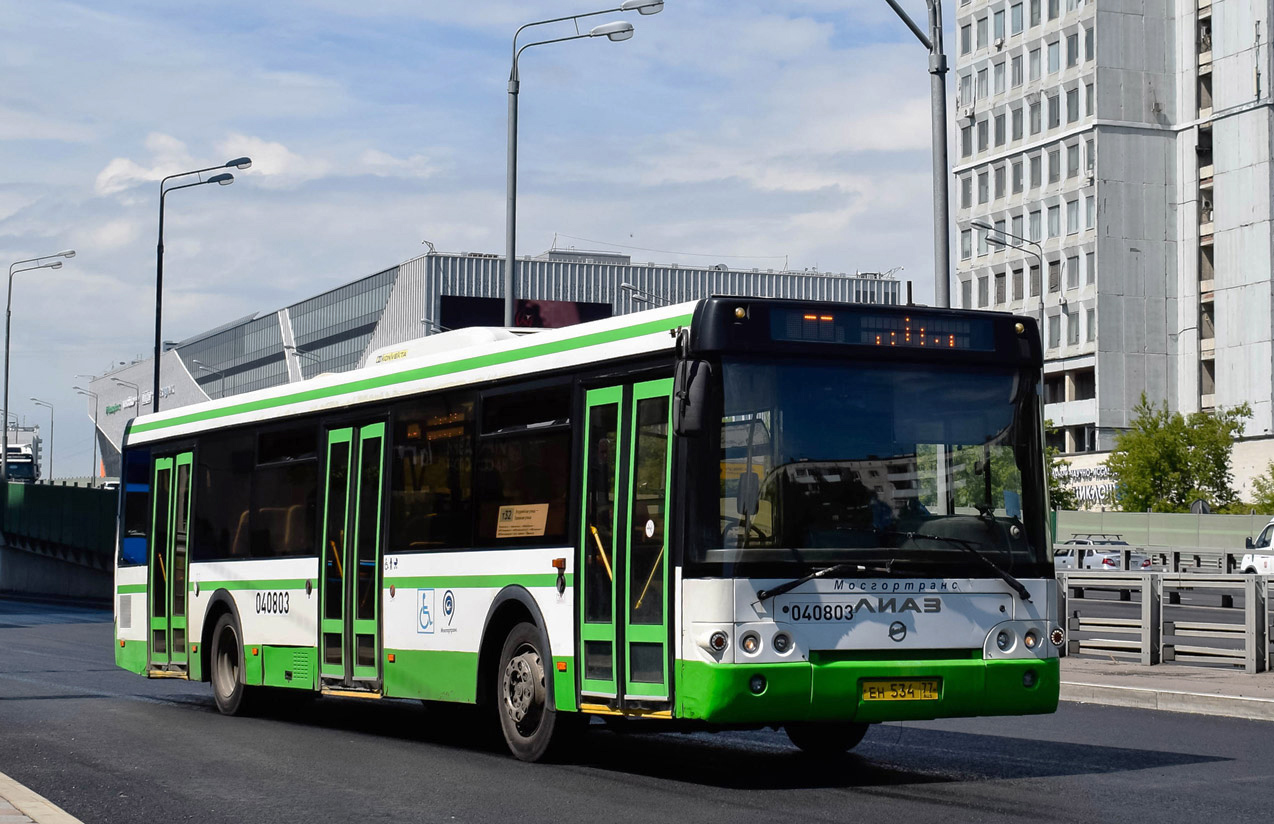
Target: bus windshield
<point>824,462</point>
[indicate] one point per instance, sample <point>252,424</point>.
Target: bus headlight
<point>1004,640</point>
<point>1031,639</point>
<point>750,643</point>
<point>782,643</point>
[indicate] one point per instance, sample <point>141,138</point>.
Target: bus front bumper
<point>828,689</point>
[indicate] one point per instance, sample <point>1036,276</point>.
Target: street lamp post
<point>45,262</point>
<point>93,395</point>
<point>137,391</point>
<point>1021,245</point>
<point>223,179</point>
<point>613,31</point>
<point>39,402</point>
<point>938,121</point>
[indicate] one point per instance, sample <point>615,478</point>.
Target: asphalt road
<point>109,746</point>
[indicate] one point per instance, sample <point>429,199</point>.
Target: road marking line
<point>36,807</point>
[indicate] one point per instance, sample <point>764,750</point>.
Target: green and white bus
<point>736,512</point>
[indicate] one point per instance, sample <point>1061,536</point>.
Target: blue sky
<point>765,131</point>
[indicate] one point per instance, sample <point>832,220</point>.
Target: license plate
<point>902,689</point>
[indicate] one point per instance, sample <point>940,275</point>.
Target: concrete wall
<point>26,573</point>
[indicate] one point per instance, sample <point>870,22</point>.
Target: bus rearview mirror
<point>689,404</point>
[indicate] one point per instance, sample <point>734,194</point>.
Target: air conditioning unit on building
<point>999,43</point>
<point>966,112</point>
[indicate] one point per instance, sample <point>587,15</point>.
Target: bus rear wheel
<point>233,697</point>
<point>826,738</point>
<point>532,728</point>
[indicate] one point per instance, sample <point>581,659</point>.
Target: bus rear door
<point>168,579</point>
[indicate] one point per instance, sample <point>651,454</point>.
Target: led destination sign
<point>912,331</point>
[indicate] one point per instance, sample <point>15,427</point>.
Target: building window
<point>982,135</point>
<point>1088,100</point>
<point>1072,105</point>
<point>1035,281</point>
<point>1053,9</point>
<point>1001,297</point>
<point>1091,156</point>
<point>984,187</point>
<point>1017,284</point>
<point>1072,273</point>
<point>999,182</point>
<point>1090,269</point>
<point>1054,331</point>
<point>997,77</point>
<point>1088,44</point>
<point>1017,226</point>
<point>966,89</point>
<point>1054,57</point>
<point>1035,12</point>
<point>1085,379</point>
<point>1072,50</point>
<point>1036,172</point>
<point>1034,58</point>
<point>1072,328</point>
<point>999,130</point>
<point>1017,177</point>
<point>1015,18</point>
<point>983,248</point>
<point>1035,118</point>
<point>966,39</point>
<point>1090,207</point>
<point>1054,221</point>
<point>1035,226</point>
<point>966,191</point>
<point>1054,276</point>
<point>966,141</point>
<point>997,25</point>
<point>1072,160</point>
<point>983,29</point>
<point>1054,165</point>
<point>1072,217</point>
<point>1015,70</point>
<point>1017,124</point>
<point>1054,111</point>
<point>984,84</point>
<point>1092,331</point>
<point>966,244</point>
<point>984,298</point>
<point>966,294</point>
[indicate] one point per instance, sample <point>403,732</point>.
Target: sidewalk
<point>18,805</point>
<point>1171,687</point>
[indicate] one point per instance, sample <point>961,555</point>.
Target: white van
<point>1259,559</point>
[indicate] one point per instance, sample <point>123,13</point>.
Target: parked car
<point>1097,551</point>
<point>1259,559</point>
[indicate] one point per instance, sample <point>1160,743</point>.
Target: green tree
<point>1263,491</point>
<point>1060,496</point>
<point>1166,460</point>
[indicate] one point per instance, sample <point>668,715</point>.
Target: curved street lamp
<point>82,391</point>
<point>223,179</point>
<point>611,31</point>
<point>45,262</point>
<point>39,402</point>
<point>1021,245</point>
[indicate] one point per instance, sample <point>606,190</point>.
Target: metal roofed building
<point>336,330</point>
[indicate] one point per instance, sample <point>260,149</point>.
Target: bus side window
<point>133,545</point>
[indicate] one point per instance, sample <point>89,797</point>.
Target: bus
<point>732,513</point>
<point>21,464</point>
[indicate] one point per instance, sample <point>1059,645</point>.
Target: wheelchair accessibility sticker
<point>425,608</point>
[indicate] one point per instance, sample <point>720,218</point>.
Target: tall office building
<point>1072,148</point>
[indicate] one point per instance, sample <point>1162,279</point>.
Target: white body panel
<point>262,622</point>
<point>130,607</point>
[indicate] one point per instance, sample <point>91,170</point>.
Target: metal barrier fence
<point>44,517</point>
<point>1122,615</point>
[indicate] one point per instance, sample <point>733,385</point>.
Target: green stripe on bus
<point>280,583</point>
<point>421,373</point>
<point>126,589</point>
<point>476,581</point>
<point>434,675</point>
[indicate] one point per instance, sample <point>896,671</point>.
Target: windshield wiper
<point>972,548</point>
<point>835,569</point>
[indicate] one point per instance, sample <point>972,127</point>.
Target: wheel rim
<point>226,670</point>
<point>523,690</point>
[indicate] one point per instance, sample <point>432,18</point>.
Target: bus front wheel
<point>826,738</point>
<point>233,697</point>
<point>532,728</point>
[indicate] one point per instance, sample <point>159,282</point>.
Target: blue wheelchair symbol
<point>425,599</point>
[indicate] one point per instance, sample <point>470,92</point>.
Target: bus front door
<point>170,535</point>
<point>624,564</point>
<point>349,627</point>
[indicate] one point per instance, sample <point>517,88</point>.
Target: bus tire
<point>826,738</point>
<point>233,697</point>
<point>533,729</point>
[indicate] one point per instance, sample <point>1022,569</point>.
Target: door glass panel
<point>647,663</point>
<point>334,534</point>
<point>648,506</point>
<point>599,513</point>
<point>159,546</point>
<point>597,660</point>
<point>368,527</point>
<point>181,523</point>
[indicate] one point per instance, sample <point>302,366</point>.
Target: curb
<point>1198,703</point>
<point>34,806</point>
